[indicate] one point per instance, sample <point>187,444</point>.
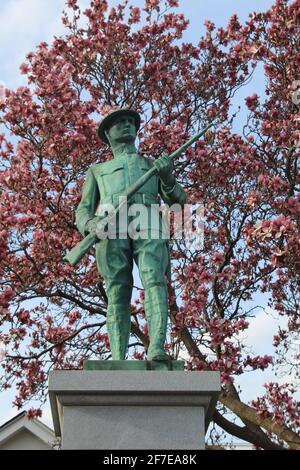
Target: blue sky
<point>25,23</point>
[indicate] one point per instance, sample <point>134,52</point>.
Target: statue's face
<point>122,130</point>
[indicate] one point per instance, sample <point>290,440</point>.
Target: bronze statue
<point>143,181</point>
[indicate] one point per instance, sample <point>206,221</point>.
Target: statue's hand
<point>91,226</point>
<point>164,167</point>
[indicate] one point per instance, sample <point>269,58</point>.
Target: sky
<point>25,23</point>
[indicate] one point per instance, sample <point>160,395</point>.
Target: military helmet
<point>108,121</point>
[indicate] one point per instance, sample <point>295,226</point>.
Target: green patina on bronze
<point>104,183</point>
<point>81,248</point>
<point>144,180</point>
<point>133,365</point>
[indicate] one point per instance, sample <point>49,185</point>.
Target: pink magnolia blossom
<point>248,184</point>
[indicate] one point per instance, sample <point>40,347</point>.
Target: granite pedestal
<point>132,409</point>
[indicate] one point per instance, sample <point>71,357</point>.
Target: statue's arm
<point>169,189</point>
<point>172,193</point>
<point>89,201</point>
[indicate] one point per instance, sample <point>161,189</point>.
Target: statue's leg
<point>156,309</point>
<point>118,329</point>
<point>151,257</point>
<point>114,262</point>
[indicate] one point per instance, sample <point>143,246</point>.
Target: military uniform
<point>103,185</point>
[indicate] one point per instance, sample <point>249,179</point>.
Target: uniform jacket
<point>106,181</point>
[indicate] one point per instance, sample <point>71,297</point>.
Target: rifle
<point>78,252</point>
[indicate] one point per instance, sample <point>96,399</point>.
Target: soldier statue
<point>114,256</point>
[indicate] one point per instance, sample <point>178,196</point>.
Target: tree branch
<point>244,411</point>
<point>244,433</point>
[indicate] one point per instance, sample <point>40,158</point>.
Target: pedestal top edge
<point>134,381</point>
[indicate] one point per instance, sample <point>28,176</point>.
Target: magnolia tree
<point>52,314</point>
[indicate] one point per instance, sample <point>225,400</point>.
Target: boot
<point>118,329</point>
<point>156,309</point>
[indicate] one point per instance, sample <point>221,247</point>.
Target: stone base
<point>132,409</point>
